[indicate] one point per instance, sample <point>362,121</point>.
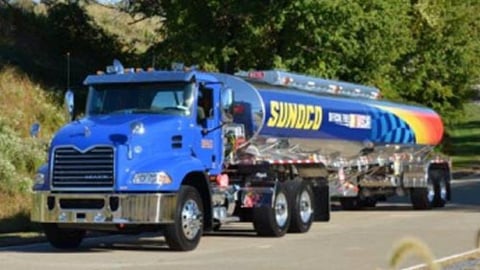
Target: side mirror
<point>69,104</point>
<point>34,130</point>
<point>227,100</point>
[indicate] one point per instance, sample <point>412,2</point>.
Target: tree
<point>445,61</point>
<point>423,51</point>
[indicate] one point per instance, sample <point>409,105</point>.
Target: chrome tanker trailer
<point>367,149</point>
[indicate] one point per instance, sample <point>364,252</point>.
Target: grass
<point>15,212</point>
<point>464,140</point>
<point>23,103</point>
<point>138,36</point>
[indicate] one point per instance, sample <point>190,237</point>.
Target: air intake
<point>89,170</point>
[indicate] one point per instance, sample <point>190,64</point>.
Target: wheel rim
<point>430,192</point>
<point>281,209</point>
<point>443,190</point>
<point>191,219</point>
<point>305,207</point>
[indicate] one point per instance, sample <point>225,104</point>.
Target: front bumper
<point>68,208</point>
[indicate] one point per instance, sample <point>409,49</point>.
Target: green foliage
<point>23,104</point>
<point>464,139</point>
<point>444,63</point>
<point>421,51</point>
<point>18,161</point>
<point>135,33</point>
<point>38,39</point>
<point>89,45</point>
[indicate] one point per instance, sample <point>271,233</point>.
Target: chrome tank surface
<point>300,122</point>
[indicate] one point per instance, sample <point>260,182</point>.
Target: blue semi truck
<point>186,151</point>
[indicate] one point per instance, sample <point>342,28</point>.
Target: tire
<point>422,198</point>
<point>350,203</point>
<point>301,206</point>
<point>63,238</point>
<point>441,188</point>
<point>185,233</point>
<point>273,222</point>
<point>435,194</point>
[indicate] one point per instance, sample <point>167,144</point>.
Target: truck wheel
<point>422,198</point>
<point>301,206</point>
<point>185,233</point>
<point>275,221</point>
<point>63,238</point>
<point>350,203</point>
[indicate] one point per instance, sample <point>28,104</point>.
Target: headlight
<point>39,179</point>
<point>158,178</point>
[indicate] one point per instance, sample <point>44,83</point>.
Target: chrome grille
<point>92,169</point>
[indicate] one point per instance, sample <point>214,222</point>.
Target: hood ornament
<point>87,132</point>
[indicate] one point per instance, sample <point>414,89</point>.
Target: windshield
<point>160,98</point>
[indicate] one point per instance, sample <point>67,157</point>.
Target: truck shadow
<point>145,242</point>
<point>464,199</point>
<point>395,207</point>
<point>233,232</point>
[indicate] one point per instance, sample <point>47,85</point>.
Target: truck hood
<point>116,130</point>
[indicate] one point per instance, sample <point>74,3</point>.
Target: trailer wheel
<point>423,198</point>
<point>275,221</point>
<point>63,238</point>
<point>441,189</point>
<point>301,206</point>
<point>185,233</point>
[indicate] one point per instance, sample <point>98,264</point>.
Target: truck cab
<point>141,147</point>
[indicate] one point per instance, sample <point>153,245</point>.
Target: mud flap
<point>321,194</point>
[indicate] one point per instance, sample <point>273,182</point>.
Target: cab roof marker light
<point>176,66</point>
<point>116,68</point>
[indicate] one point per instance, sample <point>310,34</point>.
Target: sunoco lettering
<point>293,115</point>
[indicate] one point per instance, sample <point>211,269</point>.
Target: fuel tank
<point>326,122</point>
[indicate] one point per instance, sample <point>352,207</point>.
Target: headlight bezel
<point>39,179</point>
<point>152,178</point>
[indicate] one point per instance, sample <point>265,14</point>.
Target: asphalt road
<point>351,240</point>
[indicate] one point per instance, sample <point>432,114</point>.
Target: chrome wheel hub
<point>305,207</point>
<point>191,219</point>
<point>281,209</point>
